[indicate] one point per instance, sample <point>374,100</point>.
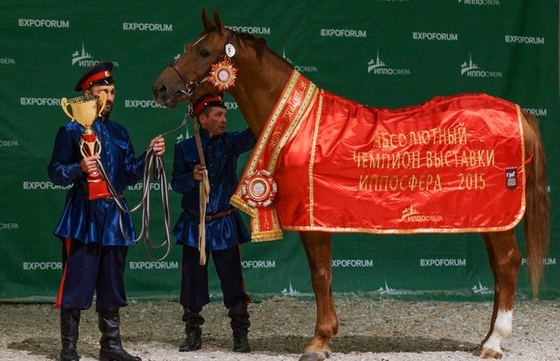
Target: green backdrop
<point>382,53</point>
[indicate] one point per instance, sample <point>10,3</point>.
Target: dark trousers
<point>92,268</point>
<point>194,278</point>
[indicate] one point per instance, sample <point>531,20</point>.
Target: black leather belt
<point>216,215</point>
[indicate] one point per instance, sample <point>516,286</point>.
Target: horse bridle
<point>190,85</point>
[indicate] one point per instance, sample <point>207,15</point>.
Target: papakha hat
<point>99,74</point>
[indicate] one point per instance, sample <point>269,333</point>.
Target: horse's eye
<point>203,53</point>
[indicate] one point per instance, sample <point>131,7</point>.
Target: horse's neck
<point>258,87</point>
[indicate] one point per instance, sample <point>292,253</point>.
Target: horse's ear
<point>206,22</point>
<point>218,20</point>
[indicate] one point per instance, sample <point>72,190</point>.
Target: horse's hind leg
<point>317,247</point>
<point>505,260</point>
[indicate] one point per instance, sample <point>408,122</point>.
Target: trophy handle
<point>103,99</point>
<point>89,148</point>
<point>64,104</point>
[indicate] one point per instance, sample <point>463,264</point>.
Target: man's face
<point>107,89</point>
<point>214,122</point>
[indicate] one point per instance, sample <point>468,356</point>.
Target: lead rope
<point>159,175</point>
<point>203,194</point>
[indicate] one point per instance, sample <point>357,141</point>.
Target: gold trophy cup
<point>85,110</point>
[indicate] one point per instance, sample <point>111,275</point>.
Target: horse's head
<point>220,59</point>
<point>185,79</point>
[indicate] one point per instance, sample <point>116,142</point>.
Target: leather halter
<point>191,85</point>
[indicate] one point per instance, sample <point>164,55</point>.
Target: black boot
<point>193,321</point>
<point>240,325</point>
<point>111,346</point>
<point>69,331</point>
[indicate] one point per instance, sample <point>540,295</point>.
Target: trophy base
<point>98,190</point>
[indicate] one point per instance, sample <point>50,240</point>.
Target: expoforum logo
<point>471,69</point>
<point>379,67</point>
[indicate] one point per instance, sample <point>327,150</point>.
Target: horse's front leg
<point>505,260</point>
<point>317,247</point>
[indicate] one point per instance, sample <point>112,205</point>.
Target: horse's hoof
<point>486,353</point>
<point>314,356</point>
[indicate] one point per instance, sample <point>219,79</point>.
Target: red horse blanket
<point>324,163</point>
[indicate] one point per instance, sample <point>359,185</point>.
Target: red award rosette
<point>223,75</point>
<point>259,189</point>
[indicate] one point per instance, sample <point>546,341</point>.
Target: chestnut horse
<point>260,79</point>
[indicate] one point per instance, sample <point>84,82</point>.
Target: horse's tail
<point>537,221</point>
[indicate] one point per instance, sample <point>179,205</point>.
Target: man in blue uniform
<point>224,228</point>
<point>93,247</point>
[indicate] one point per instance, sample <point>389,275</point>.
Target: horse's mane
<point>259,44</point>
